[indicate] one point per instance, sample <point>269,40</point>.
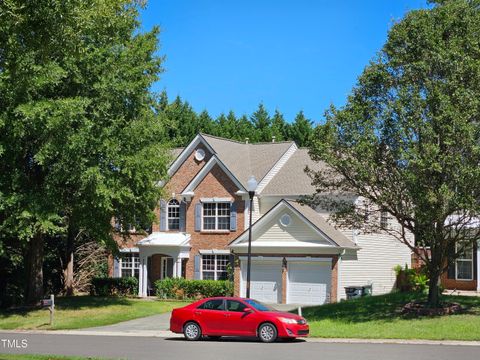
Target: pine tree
<point>262,124</point>
<point>301,131</point>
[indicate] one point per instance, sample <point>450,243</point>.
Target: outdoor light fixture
<point>251,187</point>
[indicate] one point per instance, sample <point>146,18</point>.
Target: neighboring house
<point>297,256</point>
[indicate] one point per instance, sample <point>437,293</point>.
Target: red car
<point>233,316</point>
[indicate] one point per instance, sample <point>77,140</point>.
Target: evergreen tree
<point>262,124</point>
<point>301,131</point>
<point>279,126</point>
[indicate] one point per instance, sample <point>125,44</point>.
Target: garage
<point>309,282</point>
<point>265,282</point>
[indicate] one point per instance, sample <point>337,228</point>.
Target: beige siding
<point>296,231</point>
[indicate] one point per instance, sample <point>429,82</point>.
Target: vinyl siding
<point>296,231</point>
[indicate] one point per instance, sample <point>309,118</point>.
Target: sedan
<point>234,316</point>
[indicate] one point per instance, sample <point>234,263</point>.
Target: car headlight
<point>287,320</point>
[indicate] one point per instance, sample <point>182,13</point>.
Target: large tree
<point>80,142</point>
<point>408,139</point>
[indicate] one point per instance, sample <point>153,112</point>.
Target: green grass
<point>42,357</point>
<point>85,311</point>
<point>377,317</point>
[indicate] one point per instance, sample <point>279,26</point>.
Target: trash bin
<point>354,292</point>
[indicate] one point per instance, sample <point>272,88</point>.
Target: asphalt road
<point>140,348</point>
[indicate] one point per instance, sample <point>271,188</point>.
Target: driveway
<point>159,322</point>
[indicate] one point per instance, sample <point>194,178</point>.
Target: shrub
<point>179,288</point>
<point>106,286</point>
<point>411,279</point>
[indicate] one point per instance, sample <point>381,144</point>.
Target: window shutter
<point>183,207</point>
<point>116,267</point>
<point>475,261</point>
<point>198,216</point>
<point>233,217</point>
<point>197,274</point>
<point>163,215</point>
<point>231,260</point>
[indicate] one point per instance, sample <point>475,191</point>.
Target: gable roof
<point>244,159</point>
<point>311,217</point>
<point>214,160</point>
<point>292,178</point>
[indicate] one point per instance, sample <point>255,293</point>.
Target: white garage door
<point>265,282</point>
<point>308,282</point>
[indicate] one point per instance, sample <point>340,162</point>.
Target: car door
<point>211,316</point>
<point>239,322</point>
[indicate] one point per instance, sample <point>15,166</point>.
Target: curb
<point>169,334</point>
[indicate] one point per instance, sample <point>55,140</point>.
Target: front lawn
<point>377,317</point>
<point>85,311</point>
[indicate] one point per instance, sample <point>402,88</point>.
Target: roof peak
<point>245,143</point>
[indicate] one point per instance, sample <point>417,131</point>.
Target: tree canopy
<point>408,139</point>
<point>79,139</point>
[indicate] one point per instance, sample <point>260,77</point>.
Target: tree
<point>261,122</point>
<point>408,139</point>
<point>279,126</point>
<point>301,131</point>
<point>80,141</point>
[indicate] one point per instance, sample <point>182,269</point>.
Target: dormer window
<point>173,215</point>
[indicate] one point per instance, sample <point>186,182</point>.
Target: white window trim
<point>215,271</point>
<point>168,217</point>
<point>464,260</point>
<point>133,268</point>
<point>216,230</point>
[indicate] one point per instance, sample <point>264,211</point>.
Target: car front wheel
<point>192,331</point>
<point>267,333</point>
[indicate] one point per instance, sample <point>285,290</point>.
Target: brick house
<point>297,256</point>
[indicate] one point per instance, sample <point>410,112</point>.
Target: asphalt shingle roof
<point>244,159</point>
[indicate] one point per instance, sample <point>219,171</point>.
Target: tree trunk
<point>68,271</point>
<point>34,267</point>
<point>433,291</point>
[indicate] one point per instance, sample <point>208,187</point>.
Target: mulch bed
<point>418,308</point>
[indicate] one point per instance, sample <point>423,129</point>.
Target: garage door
<point>308,282</point>
<point>265,282</point>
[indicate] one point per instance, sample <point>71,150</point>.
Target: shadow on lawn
<point>72,303</point>
<point>381,307</point>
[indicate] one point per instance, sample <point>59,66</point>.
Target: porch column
<point>478,265</point>
<point>178,265</point>
<point>143,277</point>
<point>175,267</point>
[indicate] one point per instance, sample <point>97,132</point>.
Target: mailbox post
<point>50,303</point>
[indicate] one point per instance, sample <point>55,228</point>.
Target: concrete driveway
<point>159,322</point>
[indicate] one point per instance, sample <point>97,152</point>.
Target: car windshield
<point>258,305</point>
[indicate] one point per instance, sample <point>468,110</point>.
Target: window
<point>233,305</point>
<point>214,267</point>
<point>173,215</point>
<point>216,304</point>
<point>216,216</point>
<point>384,220</point>
<point>464,263</point>
<point>129,265</point>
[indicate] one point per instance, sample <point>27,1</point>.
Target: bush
<point>411,279</point>
<point>106,286</point>
<point>179,288</point>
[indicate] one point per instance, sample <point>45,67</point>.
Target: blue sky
<point>291,55</point>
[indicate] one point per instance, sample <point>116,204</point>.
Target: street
<point>140,348</point>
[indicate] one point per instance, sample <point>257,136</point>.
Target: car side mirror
<point>247,310</point>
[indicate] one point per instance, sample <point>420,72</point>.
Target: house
<point>297,255</point>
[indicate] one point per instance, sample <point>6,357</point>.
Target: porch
<point>161,255</point>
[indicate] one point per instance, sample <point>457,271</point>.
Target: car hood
<point>284,314</point>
